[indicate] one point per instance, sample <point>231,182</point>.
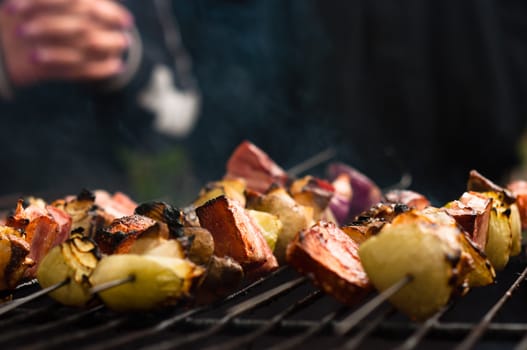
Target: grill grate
<point>281,311</point>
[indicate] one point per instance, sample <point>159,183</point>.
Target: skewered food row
<point>444,250</point>
<point>236,227</point>
<point>35,227</point>
<point>241,227</point>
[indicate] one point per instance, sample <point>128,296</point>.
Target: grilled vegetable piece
<point>199,244</point>
<point>483,272</point>
<point>504,207</point>
<point>365,192</point>
<point>73,260</point>
<point>294,217</point>
<point>409,198</point>
<point>84,213</point>
<point>479,183</point>
<point>156,281</point>
<point>519,190</point>
<point>360,233</point>
<point>516,229</point>
<point>119,236</point>
<point>44,228</point>
<point>236,235</point>
<point>500,237</point>
<point>157,246</point>
<point>197,241</point>
<point>312,192</point>
<point>269,224</point>
<point>231,188</point>
<point>223,276</point>
<point>14,257</point>
<point>420,245</point>
<point>164,213</point>
<point>329,257</point>
<point>370,222</point>
<point>341,200</point>
<point>250,163</point>
<point>472,212</point>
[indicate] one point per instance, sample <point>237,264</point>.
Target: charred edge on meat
<point>86,195</point>
<point>18,256</point>
<point>165,213</point>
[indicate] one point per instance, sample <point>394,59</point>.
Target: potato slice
<point>75,259</point>
<point>420,245</point>
<point>231,188</point>
<point>157,281</point>
<point>483,273</point>
<point>312,192</point>
<point>516,230</point>
<point>269,224</point>
<point>294,217</point>
<point>499,241</point>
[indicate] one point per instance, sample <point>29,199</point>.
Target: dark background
<point>434,88</point>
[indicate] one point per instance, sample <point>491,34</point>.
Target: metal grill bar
<point>21,301</point>
<point>20,317</point>
<point>421,332</point>
<point>135,335</point>
<point>266,327</point>
<point>478,331</point>
<point>53,343</point>
<point>315,329</point>
<point>87,332</point>
<point>48,325</point>
<point>231,314</point>
<point>522,345</point>
<point>352,320</point>
<point>355,341</point>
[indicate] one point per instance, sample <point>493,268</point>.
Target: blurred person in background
<point>85,87</point>
<point>432,88</point>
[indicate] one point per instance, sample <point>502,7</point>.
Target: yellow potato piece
<point>269,224</point>
<point>516,230</point>
<point>408,248</point>
<point>157,281</point>
<point>499,240</point>
<point>58,265</point>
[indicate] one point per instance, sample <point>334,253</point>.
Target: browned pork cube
<point>326,254</point>
<point>237,235</point>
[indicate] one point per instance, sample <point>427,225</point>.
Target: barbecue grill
<point>281,311</point>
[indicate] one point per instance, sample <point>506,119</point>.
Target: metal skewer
<point>311,162</point>
<point>111,284</point>
<point>480,328</point>
<point>18,302</point>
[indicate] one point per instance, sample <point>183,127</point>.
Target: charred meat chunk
<point>236,235</point>
<point>120,235</point>
<point>330,258</point>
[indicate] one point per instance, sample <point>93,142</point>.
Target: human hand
<point>63,39</point>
